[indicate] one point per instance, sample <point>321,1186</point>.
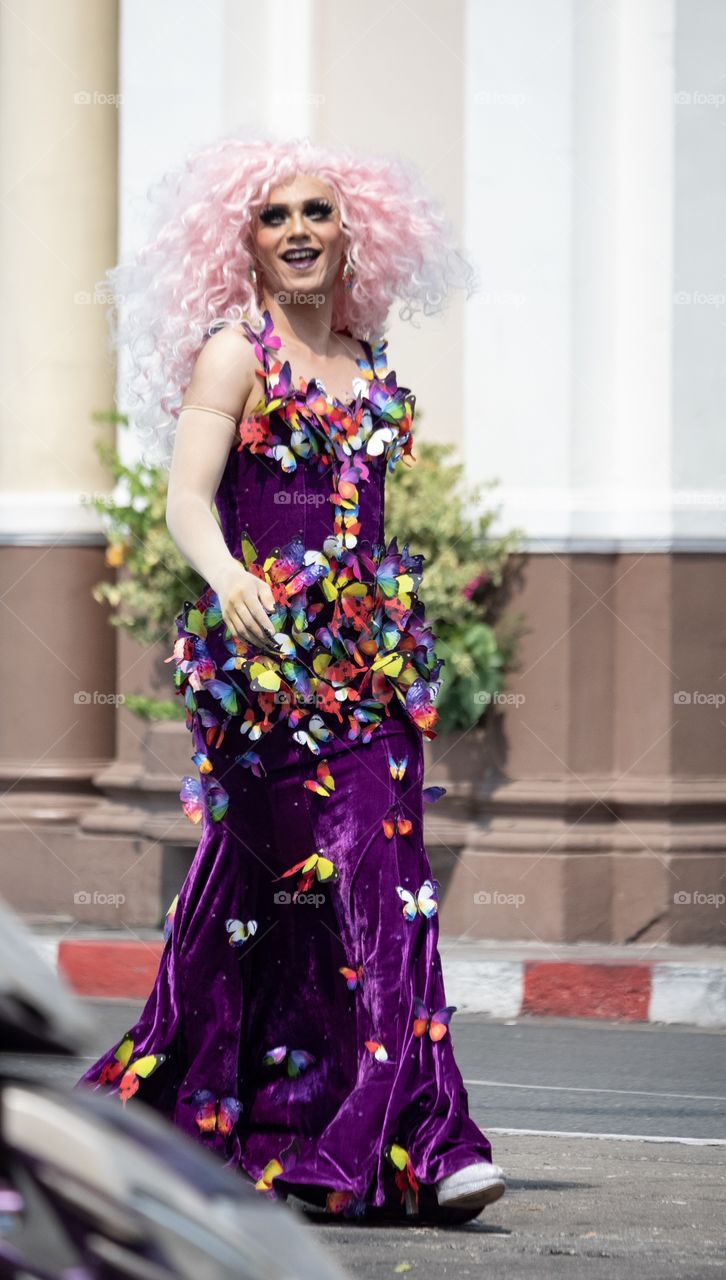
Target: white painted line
<point>610,1137</point>
<point>565,1088</point>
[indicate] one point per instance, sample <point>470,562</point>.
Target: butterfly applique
<point>316,867</point>
<point>239,932</point>
<point>419,704</point>
<point>131,1071</point>
<point>437,1024</point>
<point>316,732</point>
<point>323,784</point>
<point>397,767</point>
<point>394,823</point>
<point>298,1060</point>
<point>422,902</point>
<point>347,1203</point>
<point>405,1178</point>
<point>215,1114</point>
<point>353,977</point>
<point>432,794</point>
<point>169,918</point>
<point>193,795</point>
<point>377,1049</point>
<point>273,1168</point>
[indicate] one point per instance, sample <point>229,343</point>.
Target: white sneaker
<point>476,1185</point>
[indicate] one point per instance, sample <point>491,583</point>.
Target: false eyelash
<point>312,206</point>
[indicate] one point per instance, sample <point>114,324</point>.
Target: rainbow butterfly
<point>298,1060</point>
<point>169,918</point>
<point>353,977</point>
<point>393,823</point>
<point>323,784</point>
<point>419,703</point>
<point>240,932</point>
<point>220,1114</point>
<point>437,1024</point>
<point>397,767</point>
<point>377,1049</point>
<point>316,732</point>
<point>131,1071</point>
<point>422,902</point>
<point>193,795</point>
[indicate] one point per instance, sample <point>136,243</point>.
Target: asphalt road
<point>650,1193</point>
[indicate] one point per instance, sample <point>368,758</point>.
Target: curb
<point>602,987</point>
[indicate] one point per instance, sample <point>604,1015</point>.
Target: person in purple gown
<point>298,1024</point>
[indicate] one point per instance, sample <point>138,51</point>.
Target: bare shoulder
<point>224,372</point>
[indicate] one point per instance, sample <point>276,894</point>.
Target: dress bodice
<point>301,504</point>
<point>309,464</point>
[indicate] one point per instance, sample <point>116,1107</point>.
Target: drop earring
<point>348,273</point>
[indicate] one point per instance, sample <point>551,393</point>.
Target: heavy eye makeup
<point>273,214</point>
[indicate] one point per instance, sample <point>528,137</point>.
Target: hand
<point>244,600</point>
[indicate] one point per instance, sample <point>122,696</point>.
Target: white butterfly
<point>239,932</point>
<point>423,902</point>
<point>316,729</point>
<point>380,440</point>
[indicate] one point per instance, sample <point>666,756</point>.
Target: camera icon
<point>681,897</point>
<point>82,898</point>
<point>483,898</point>
<point>282,897</point>
<point>682,697</point>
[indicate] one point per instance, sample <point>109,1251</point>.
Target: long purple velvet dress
<point>298,1023</point>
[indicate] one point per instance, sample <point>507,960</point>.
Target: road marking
<point>564,1088</point>
<point>611,1137</point>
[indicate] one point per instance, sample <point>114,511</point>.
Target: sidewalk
<point>665,984</point>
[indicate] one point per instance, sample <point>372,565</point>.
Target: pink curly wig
<point>194,271</point>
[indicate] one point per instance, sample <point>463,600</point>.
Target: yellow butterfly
<point>323,784</point>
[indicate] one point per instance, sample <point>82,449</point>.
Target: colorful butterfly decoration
<point>315,867</point>
<point>170,917</point>
<point>437,1024</point>
<point>323,784</point>
<point>397,767</point>
<point>395,824</point>
<point>297,1060</point>
<point>239,932</point>
<point>423,902</point>
<point>215,1114</point>
<point>346,1203</point>
<point>129,1071</point>
<point>353,977</point>
<point>286,1159</point>
<point>405,1178</point>
<point>194,793</point>
<point>316,732</point>
<point>377,1049</point>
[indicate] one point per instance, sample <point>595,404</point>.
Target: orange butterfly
<point>353,977</point>
<point>437,1024</point>
<point>131,1072</point>
<point>393,823</point>
<point>323,784</point>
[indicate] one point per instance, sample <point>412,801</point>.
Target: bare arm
<point>222,379</point>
